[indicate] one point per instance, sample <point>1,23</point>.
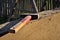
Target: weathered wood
<point>34,6</point>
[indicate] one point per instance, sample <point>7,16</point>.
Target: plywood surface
<point>43,29</point>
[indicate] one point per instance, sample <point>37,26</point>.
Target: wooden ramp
<point>43,29</point>
<point>6,26</point>
<point>14,26</point>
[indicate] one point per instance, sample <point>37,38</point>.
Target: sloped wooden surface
<point>47,28</point>
<point>6,26</point>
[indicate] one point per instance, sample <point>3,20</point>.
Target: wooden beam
<point>19,25</point>
<point>34,6</point>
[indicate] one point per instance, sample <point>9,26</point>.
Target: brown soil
<point>43,29</point>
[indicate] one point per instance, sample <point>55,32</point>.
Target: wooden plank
<point>34,15</point>
<point>34,5</point>
<point>19,25</point>
<point>6,26</point>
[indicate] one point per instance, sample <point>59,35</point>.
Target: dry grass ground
<point>43,29</point>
